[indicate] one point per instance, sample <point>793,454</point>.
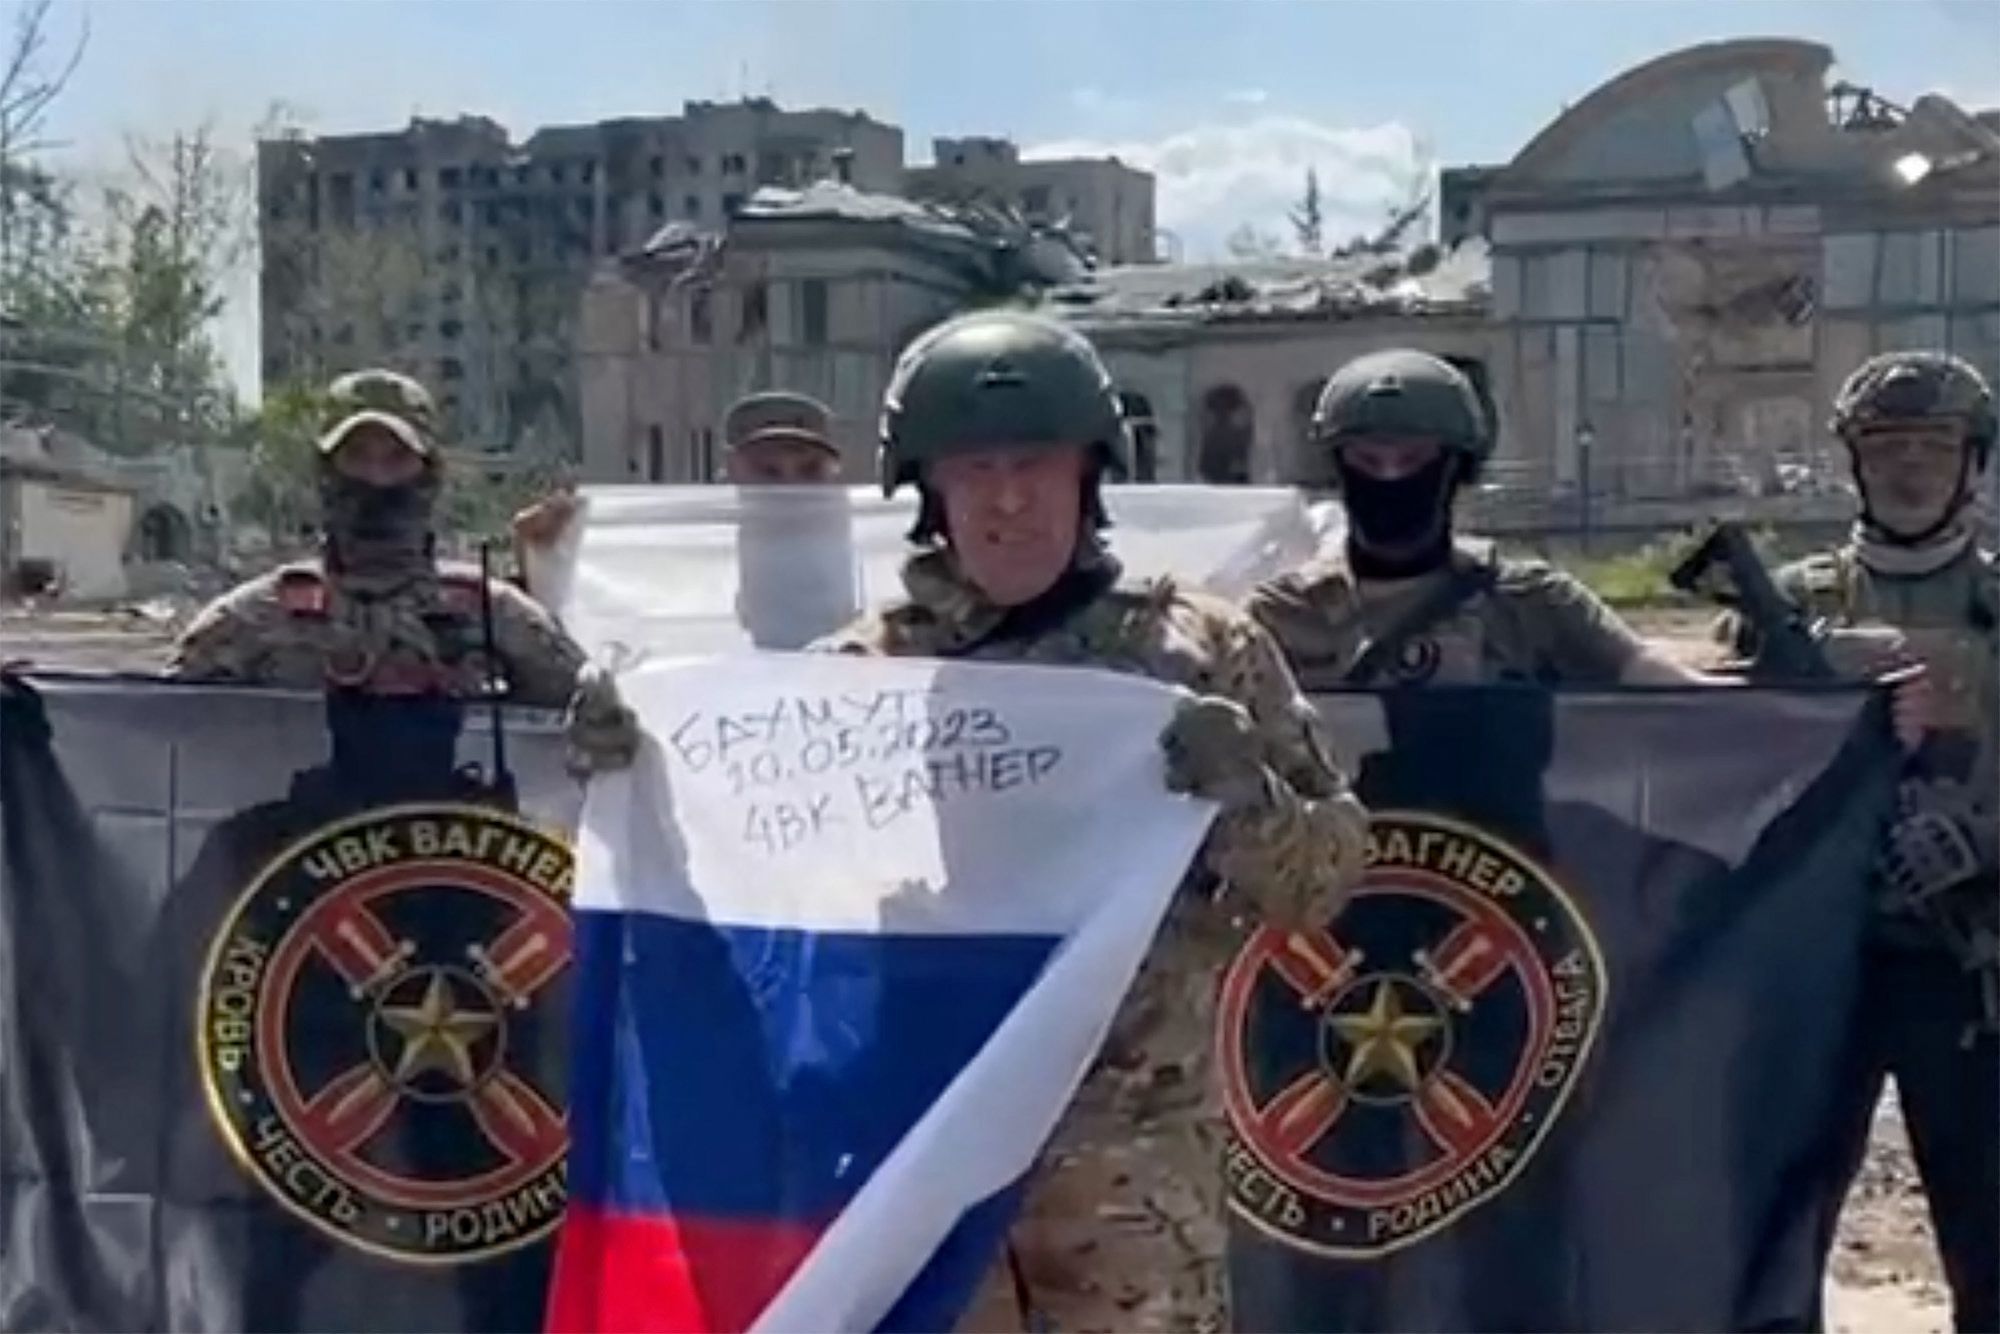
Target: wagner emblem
<point>377,1036</point>
<point>1393,1071</point>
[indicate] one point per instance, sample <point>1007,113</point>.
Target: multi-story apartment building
<point>450,251</point>
<point>1108,205</point>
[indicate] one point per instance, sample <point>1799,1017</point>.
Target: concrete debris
<point>1423,280</point>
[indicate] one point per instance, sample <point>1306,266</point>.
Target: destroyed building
<point>449,251</point>
<point>1106,204</point>
<point>1220,364</point>
<point>1689,260</point>
<point>813,290</point>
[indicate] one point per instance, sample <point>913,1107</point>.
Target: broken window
<point>656,454</point>
<point>1228,432</point>
<point>692,206</point>
<point>1849,265</point>
<point>731,205</point>
<point>1607,285</point>
<point>1911,263</point>
<point>1975,267</point>
<point>734,164</point>
<point>656,206</point>
<point>450,369</point>
<point>694,166</point>
<point>700,326</point>
<point>449,178</point>
<point>756,310</point>
<point>812,312</point>
<point>1145,435</point>
<point>657,165</point>
<point>1035,201</point>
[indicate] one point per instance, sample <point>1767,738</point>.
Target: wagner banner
<point>285,1019</point>
<point>1565,1059</point>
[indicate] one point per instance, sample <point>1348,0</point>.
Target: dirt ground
<point>1885,1277</point>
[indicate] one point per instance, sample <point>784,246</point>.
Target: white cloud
<point>1247,97</point>
<point>1214,178</point>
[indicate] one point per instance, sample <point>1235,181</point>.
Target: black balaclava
<point>378,535</point>
<point>1410,516</point>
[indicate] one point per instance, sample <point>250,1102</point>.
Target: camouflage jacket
<point>1523,620</point>
<point>298,627</point>
<point>1122,1227</point>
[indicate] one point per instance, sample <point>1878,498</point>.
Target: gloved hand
<point>1882,653</point>
<point>1940,840</point>
<point>1213,751</point>
<point>603,734</point>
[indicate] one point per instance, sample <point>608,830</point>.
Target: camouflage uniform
<point>377,614</point>
<point>298,626</point>
<point>1462,615</point>
<point>1929,998</point>
<point>1523,621</point>
<point>1121,1225</point>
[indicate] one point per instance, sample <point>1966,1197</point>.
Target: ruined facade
<point>1221,364</point>
<point>448,251</point>
<point>813,290</point>
<point>1690,260</point>
<point>1106,204</point>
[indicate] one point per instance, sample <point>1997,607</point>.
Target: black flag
<point>285,1034</point>
<point>1566,1060</point>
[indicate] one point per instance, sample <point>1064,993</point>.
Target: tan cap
<point>779,416</point>
<point>382,398</point>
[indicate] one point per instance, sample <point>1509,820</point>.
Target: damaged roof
<point>1422,281</point>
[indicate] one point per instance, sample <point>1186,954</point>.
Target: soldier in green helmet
<point>1919,430</point>
<point>1403,600</point>
<point>1006,423</point>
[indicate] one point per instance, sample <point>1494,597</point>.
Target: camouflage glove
<point>603,734</point>
<point>1939,840</point>
<point>1213,751</point>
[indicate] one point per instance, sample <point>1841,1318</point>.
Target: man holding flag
<point>1006,424</point>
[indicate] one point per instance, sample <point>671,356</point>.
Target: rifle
<point>500,782</point>
<point>1725,568</point>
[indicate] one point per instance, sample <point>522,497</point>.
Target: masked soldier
<point>1402,601</point>
<point>1006,423</point>
<point>1919,429</point>
<point>376,613</point>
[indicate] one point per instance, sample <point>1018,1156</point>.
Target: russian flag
<point>848,937</point>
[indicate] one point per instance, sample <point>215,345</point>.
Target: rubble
<point>1425,279</point>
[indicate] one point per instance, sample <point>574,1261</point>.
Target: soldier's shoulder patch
<point>464,592</point>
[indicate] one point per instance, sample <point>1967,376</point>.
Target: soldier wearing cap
<point>774,438</point>
<point>1919,430</point>
<point>376,612</point>
<point>780,439</point>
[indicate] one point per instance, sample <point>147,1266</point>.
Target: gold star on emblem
<point>1383,1038</point>
<point>436,1034</point>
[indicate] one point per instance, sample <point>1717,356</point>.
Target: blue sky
<point>1227,102</point>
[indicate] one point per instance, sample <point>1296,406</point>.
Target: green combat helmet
<point>997,379</point>
<point>1917,386</point>
<point>1404,392</point>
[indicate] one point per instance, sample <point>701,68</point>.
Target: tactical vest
<point>1326,618</point>
<point>411,642</point>
<point>1948,619</point>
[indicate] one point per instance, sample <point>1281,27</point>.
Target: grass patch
<point>1638,578</point>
